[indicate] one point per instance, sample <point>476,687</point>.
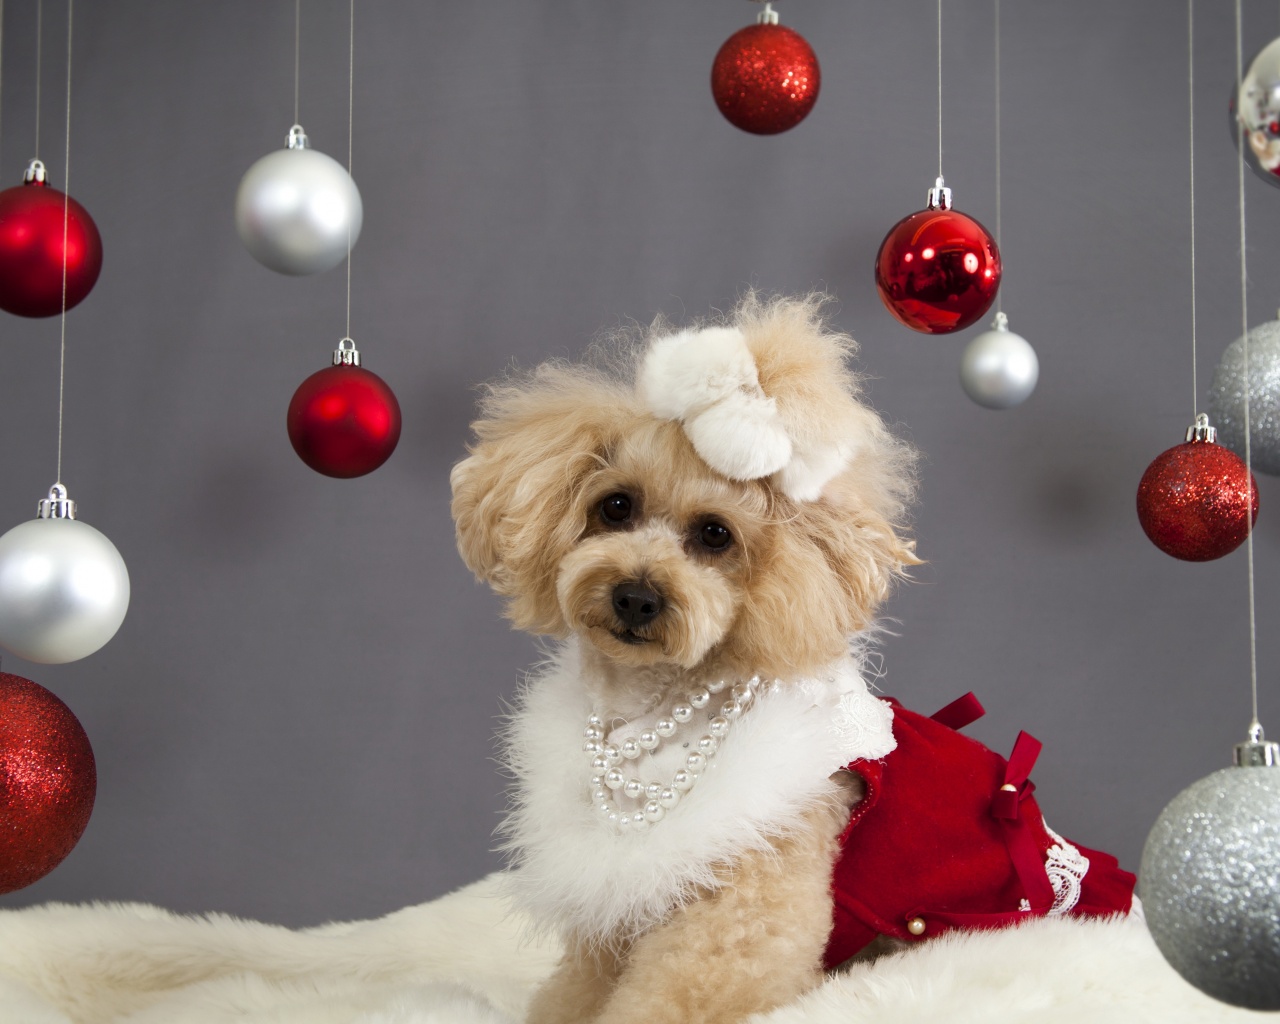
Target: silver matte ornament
<point>1210,880</point>
<point>1226,397</point>
<point>1258,100</point>
<point>999,369</point>
<point>298,211</point>
<point>64,588</point>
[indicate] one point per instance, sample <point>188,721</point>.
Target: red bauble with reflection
<point>1194,499</point>
<point>31,248</point>
<point>48,781</point>
<point>765,79</point>
<point>938,271</point>
<point>344,421</point>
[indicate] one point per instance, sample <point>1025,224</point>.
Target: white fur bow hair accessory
<point>708,381</point>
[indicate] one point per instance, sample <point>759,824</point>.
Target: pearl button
<point>916,926</point>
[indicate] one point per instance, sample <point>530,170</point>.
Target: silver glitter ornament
<point>1258,101</point>
<point>1210,880</point>
<point>999,369</point>
<point>1226,397</point>
<point>64,588</point>
<point>297,210</point>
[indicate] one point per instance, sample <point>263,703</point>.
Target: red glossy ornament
<point>765,77</point>
<point>31,248</point>
<point>938,270</point>
<point>47,782</point>
<point>1194,499</point>
<point>343,420</point>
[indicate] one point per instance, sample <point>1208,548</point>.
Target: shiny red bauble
<point>47,782</point>
<point>938,271</point>
<point>765,79</point>
<point>1194,501</point>
<point>31,250</point>
<point>344,421</point>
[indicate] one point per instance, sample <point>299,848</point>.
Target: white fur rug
<point>460,960</point>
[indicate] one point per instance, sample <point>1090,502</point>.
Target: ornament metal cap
<point>1257,751</point>
<point>297,138</point>
<point>346,353</point>
<point>1201,431</point>
<point>1000,323</point>
<point>57,505</point>
<point>939,196</point>
<point>768,16</point>
<point>35,174</point>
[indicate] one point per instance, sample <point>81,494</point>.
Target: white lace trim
<point>1066,867</point>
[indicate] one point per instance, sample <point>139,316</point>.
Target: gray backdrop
<point>295,721</point>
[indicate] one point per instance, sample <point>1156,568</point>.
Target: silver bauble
<point>1258,101</point>
<point>1226,397</point>
<point>64,588</point>
<point>999,369</point>
<point>297,210</point>
<point>1210,885</point>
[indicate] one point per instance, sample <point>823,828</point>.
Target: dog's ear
<point>516,498</point>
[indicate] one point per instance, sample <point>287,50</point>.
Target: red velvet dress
<point>950,836</point>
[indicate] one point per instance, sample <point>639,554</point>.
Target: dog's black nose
<point>636,604</point>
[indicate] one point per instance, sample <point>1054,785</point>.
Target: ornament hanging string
<point>1248,452</point>
<point>351,86</point>
<point>39,53</point>
<point>1191,119</point>
<point>939,90</point>
<point>297,53</point>
<point>66,202</point>
<point>999,244</point>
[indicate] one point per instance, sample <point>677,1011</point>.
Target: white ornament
<point>298,211</point>
<point>64,588</point>
<point>999,369</point>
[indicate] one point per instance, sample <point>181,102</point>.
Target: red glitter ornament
<point>47,782</point>
<point>765,77</point>
<point>938,271</point>
<point>31,248</point>
<point>343,420</point>
<point>1194,499</point>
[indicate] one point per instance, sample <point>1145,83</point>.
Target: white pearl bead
<point>666,728</point>
<point>593,732</point>
<point>700,697</point>
<point>595,720</point>
<point>682,712</point>
<point>718,685</point>
<point>591,746</point>
<point>654,811</point>
<point>599,794</point>
<point>624,823</point>
<point>696,763</point>
<point>669,797</point>
<point>639,822</point>
<point>708,745</point>
<point>597,780</point>
<point>614,778</point>
<point>633,788</point>
<point>630,748</point>
<point>599,763</point>
<point>741,693</point>
<point>653,790</point>
<point>754,682</point>
<point>719,726</point>
<point>648,740</point>
<point>612,753</point>
<point>613,817</point>
<point>730,709</point>
<point>682,781</point>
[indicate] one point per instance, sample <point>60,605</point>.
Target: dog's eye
<point>616,508</point>
<point>715,536</point>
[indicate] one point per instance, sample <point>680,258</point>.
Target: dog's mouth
<point>627,637</point>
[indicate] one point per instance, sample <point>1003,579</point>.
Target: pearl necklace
<point>607,777</point>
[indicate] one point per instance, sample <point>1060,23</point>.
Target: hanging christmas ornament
<point>1262,380</point>
<point>343,420</point>
<point>765,77</point>
<point>1257,99</point>
<point>298,209</point>
<point>999,369</point>
<point>1194,499</point>
<point>32,249</point>
<point>64,588</point>
<point>937,270</point>
<point>47,782</point>
<point>1208,879</point>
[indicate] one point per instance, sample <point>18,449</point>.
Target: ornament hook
<point>35,174</point>
<point>57,505</point>
<point>768,16</point>
<point>1201,431</point>
<point>939,196</point>
<point>346,353</point>
<point>1257,751</point>
<point>297,138</point>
